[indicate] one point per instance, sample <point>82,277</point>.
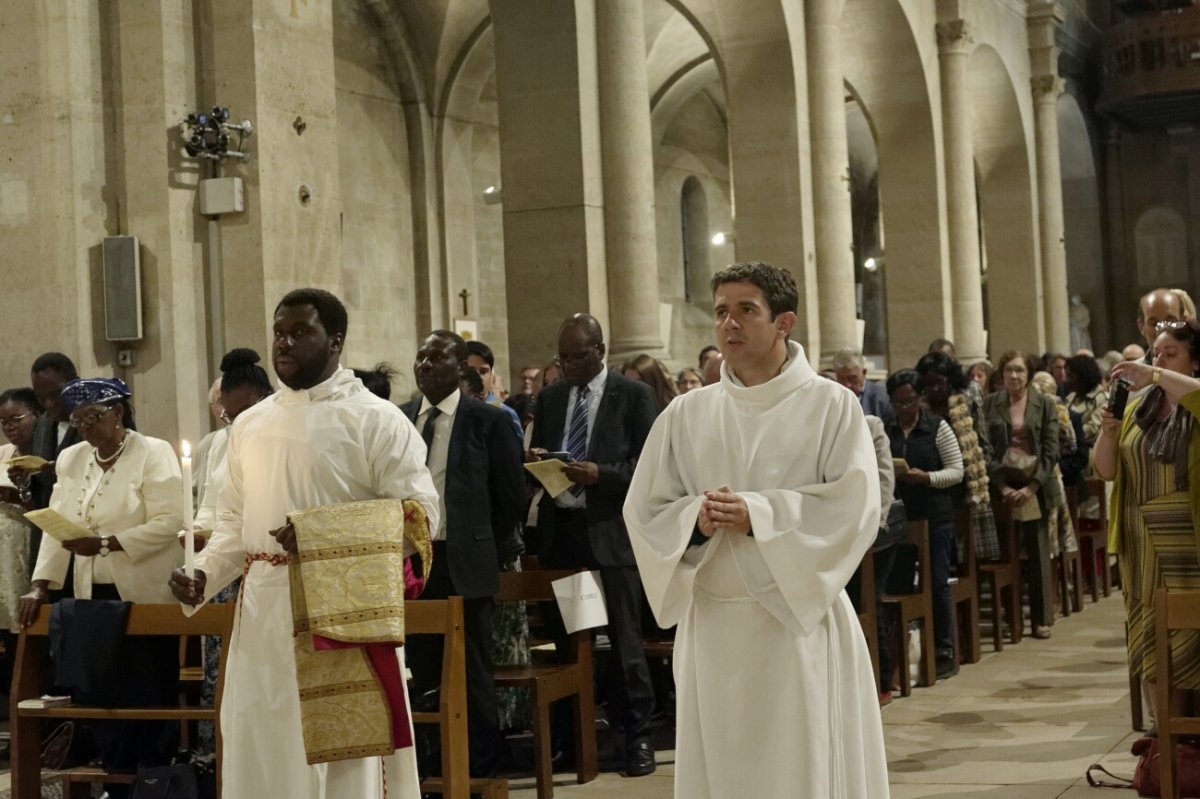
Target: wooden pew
<point>917,605</point>
<point>1174,610</point>
<point>965,591</point>
<point>549,682</point>
<point>444,617</point>
<point>29,679</point>
<point>1003,577</point>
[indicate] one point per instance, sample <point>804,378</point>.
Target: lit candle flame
<point>185,448</point>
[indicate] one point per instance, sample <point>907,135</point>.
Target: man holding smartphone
<point>596,420</point>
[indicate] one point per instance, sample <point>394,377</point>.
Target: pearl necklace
<point>114,456</point>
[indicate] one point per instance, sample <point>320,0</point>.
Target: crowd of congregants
<point>945,435</point>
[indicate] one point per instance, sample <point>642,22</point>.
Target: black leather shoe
<point>946,668</point>
<point>640,760</point>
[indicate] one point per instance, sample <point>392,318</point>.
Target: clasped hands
<point>1017,496</point>
<point>723,510</point>
<point>191,591</point>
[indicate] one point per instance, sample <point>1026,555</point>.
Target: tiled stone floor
<point>1021,724</point>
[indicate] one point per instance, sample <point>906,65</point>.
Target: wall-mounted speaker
<point>122,288</point>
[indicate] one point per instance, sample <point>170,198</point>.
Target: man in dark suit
<point>475,462</point>
<point>601,420</point>
<point>50,372</point>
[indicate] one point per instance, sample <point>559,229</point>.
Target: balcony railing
<point>1154,59</point>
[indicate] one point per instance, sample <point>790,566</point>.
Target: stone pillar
<point>157,89</point>
<point>962,210</point>
<point>289,235</point>
<point>769,153</point>
<point>1044,18</point>
<point>628,168</point>
<point>550,170</point>
<point>831,178</point>
<point>56,203</point>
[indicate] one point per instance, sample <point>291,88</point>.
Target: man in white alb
<point>321,440</point>
<point>754,500</point>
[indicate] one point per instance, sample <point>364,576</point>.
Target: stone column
<point>1044,18</point>
<point>962,210</point>
<point>831,178</point>
<point>550,169</point>
<point>628,169</point>
<point>157,89</point>
<point>56,202</point>
<point>289,235</point>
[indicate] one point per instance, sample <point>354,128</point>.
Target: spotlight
<point>870,265</point>
<point>493,196</point>
<point>721,238</point>
<point>208,136</point>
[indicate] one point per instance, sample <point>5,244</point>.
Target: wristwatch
<point>104,550</point>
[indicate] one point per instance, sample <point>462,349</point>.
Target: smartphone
<point>1119,397</point>
<point>565,457</point>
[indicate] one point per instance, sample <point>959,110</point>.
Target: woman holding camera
<point>1150,452</point>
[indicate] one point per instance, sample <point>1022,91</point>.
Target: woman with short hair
<point>1022,426</point>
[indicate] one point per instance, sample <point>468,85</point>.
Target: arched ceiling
<point>449,43</point>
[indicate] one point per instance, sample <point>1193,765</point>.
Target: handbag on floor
<point>1145,773</point>
<point>166,782</point>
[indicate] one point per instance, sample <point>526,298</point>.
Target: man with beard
<point>322,440</point>
<point>476,466</point>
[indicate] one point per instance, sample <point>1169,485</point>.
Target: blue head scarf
<point>94,391</point>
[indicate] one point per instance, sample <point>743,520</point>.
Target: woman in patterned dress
<point>18,415</point>
<point>1150,456</point>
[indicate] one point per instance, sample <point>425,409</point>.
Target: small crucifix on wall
<point>464,294</point>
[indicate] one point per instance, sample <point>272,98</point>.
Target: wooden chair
<point>1174,610</point>
<point>549,682</point>
<point>914,606</point>
<point>29,679</point>
<point>1068,572</point>
<point>868,615</point>
<point>444,617</point>
<point>1003,579</point>
<point>1093,544</point>
<point>964,590</point>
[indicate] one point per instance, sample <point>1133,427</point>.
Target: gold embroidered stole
<point>347,586</point>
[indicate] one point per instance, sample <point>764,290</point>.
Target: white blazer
<point>141,506</point>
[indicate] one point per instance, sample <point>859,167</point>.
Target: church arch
<point>887,79</point>
<point>1007,212</point>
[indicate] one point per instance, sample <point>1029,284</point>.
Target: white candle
<point>189,535</point>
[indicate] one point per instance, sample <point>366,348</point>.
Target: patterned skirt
<point>1168,559</point>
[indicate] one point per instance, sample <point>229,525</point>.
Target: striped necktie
<point>577,434</point>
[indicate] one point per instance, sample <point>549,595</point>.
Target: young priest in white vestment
<point>753,502</point>
<point>322,440</point>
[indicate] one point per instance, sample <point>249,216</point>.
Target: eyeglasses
<point>576,357</point>
<point>1170,324</point>
<point>10,421</point>
<point>906,403</point>
<point>88,419</point>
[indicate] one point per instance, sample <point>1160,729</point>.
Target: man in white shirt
<point>752,504</point>
<point>323,439</point>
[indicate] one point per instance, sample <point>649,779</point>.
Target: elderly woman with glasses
<point>122,486</point>
<point>1022,426</point>
<point>125,489</point>
<point>1150,455</point>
